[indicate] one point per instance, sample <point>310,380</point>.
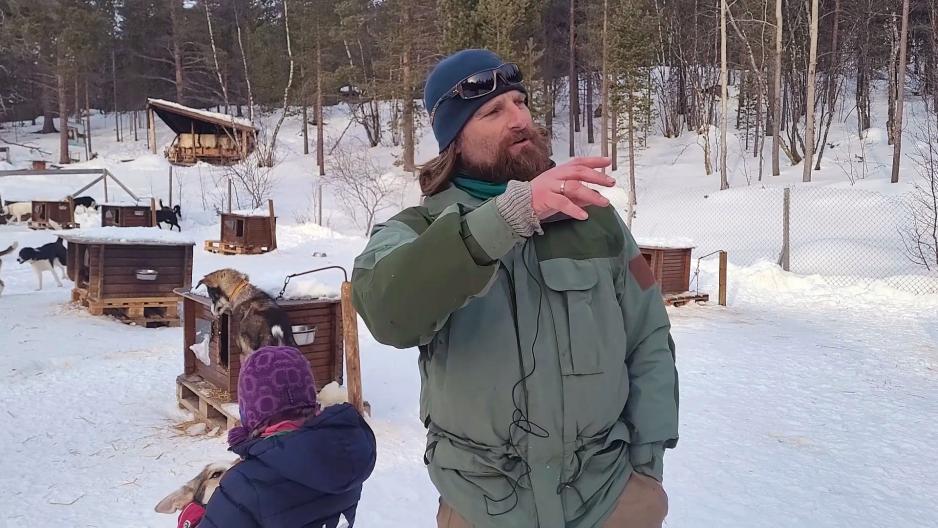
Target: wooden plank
<point>128,301</point>
<point>352,359</point>
<point>187,268</point>
<point>213,375</point>
<point>147,250</point>
<point>273,225</point>
<point>128,290</point>
<point>174,279</point>
<point>189,336</point>
<point>144,262</point>
<point>338,345</point>
<point>96,277</point>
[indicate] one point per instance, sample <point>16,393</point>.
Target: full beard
<point>524,164</point>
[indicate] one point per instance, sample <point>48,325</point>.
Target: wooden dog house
<point>127,215</point>
<point>132,278</point>
<point>246,233</point>
<point>670,265</point>
<point>55,214</point>
<point>210,388</point>
<point>201,135</point>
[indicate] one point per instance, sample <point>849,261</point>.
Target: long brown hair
<point>435,174</point>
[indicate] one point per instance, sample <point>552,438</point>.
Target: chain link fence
<point>851,236</point>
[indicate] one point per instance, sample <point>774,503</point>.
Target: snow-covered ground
<point>804,402</point>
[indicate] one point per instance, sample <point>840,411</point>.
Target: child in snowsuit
<point>300,466</point>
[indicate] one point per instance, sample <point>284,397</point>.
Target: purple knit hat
<point>272,381</point>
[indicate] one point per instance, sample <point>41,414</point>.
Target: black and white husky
<point>45,258</point>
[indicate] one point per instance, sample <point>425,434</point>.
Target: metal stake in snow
<point>349,334</point>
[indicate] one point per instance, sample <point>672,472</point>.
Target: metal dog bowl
<point>304,334</point>
<point>147,274</point>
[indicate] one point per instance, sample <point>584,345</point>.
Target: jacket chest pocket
<point>571,285</point>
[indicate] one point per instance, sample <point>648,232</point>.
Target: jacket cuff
<point>517,208</point>
<point>490,232</point>
<point>648,459</point>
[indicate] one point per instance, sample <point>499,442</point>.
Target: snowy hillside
<point>808,401</point>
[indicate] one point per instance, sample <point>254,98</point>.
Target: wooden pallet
<point>148,312</point>
<point>680,299</point>
<point>46,225</point>
<point>208,403</point>
<point>217,246</point>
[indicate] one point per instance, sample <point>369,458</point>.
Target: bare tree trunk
<point>724,95</point>
<point>48,110</point>
<point>305,125</point>
<point>833,82</point>
<point>614,123</point>
<point>320,131</point>
<point>63,104</point>
<point>408,99</point>
<point>211,37</point>
<point>271,149</point>
<point>933,73</point>
<point>863,75</point>
<point>633,200</point>
<point>177,51</point>
<point>809,102</point>
<point>244,62</point>
<point>77,95</point>
<point>893,80</point>
<point>777,85</point>
<point>604,88</point>
<point>88,120</point>
<point>588,115</point>
<point>117,125</point>
<point>572,80</point>
<point>320,142</point>
<point>903,46</point>
<point>549,116</point>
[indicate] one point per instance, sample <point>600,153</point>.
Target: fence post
<point>723,278</point>
<point>784,260</point>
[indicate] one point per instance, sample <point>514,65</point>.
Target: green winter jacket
<point>546,364</point>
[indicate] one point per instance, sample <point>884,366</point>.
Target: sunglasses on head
<point>481,84</point>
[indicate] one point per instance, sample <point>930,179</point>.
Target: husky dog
<point>45,258</point>
<point>261,322</point>
<point>198,490</point>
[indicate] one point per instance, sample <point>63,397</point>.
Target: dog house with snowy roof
<point>129,273</point>
<point>127,215</point>
<point>212,356</point>
<point>53,214</point>
<point>246,233</point>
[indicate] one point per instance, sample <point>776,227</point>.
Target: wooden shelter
<point>246,233</point>
<point>132,278</point>
<point>671,267</point>
<point>212,356</point>
<point>53,214</point>
<point>201,135</point>
<point>127,215</point>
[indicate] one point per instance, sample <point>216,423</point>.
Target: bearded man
<point>548,385</point>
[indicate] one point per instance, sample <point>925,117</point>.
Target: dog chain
<point>287,280</point>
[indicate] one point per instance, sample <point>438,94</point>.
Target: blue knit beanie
<point>453,113</point>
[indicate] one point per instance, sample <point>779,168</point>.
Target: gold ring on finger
<point>563,185</point>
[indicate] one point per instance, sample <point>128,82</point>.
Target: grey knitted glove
<point>516,208</point>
